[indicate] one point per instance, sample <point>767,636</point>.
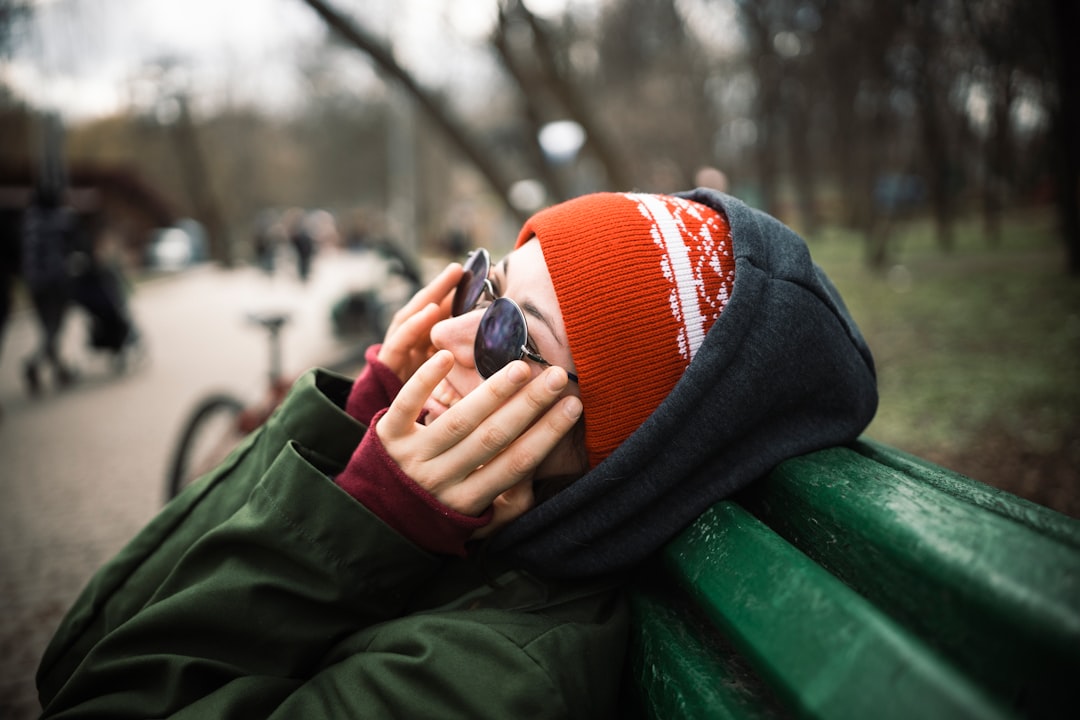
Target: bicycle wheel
<point>208,437</point>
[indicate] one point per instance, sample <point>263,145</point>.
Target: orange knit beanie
<point>640,279</point>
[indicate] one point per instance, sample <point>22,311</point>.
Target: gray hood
<point>783,371</point>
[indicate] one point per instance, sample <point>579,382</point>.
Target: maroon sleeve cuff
<point>374,389</point>
<point>373,478</point>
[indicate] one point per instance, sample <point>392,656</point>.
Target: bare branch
<point>454,132</point>
<point>579,110</point>
<point>530,102</point>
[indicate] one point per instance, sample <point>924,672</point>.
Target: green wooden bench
<point>861,582</point>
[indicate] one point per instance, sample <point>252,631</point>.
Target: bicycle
<point>221,420</point>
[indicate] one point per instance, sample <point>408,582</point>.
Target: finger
<point>458,423</point>
<point>518,462</point>
<point>434,292</point>
<point>407,406</point>
<point>501,413</point>
<point>413,333</point>
<point>447,304</point>
<point>533,446</point>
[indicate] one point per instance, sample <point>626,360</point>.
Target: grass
<point>977,350</point>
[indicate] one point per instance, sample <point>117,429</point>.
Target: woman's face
<point>523,277</point>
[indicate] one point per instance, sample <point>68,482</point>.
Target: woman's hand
<point>487,443</point>
<point>408,339</point>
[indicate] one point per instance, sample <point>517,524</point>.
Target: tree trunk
<point>929,94</point>
<point>802,163</point>
<point>197,181</point>
<point>999,154</point>
<point>875,222</point>
<point>1066,122</point>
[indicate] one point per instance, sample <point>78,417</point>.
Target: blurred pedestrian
<point>49,240</point>
<point>101,288</point>
<point>265,241</point>
<point>711,177</point>
<point>448,535</point>
<point>10,263</point>
<point>303,244</point>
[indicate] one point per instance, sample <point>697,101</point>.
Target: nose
<point>458,335</point>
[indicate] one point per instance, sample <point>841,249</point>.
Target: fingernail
<point>517,372</point>
<point>556,380</point>
<point>572,407</point>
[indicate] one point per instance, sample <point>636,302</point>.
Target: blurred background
<point>220,156</point>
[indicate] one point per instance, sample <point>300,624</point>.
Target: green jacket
<point>267,591</point>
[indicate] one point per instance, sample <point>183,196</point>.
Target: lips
<point>445,396</point>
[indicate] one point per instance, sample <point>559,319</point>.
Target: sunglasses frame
<point>482,260</point>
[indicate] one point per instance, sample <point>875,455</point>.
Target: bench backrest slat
<point>806,632</point>
<point>861,582</point>
<point>1061,528</point>
<point>997,595</point>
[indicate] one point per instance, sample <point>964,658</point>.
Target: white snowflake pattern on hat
<point>687,260</point>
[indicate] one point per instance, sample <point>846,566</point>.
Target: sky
<point>85,58</point>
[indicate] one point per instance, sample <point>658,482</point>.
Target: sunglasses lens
<point>471,285</point>
<point>499,338</point>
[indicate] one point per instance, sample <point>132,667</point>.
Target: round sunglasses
<point>503,334</point>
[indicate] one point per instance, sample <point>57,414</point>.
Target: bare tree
<point>1035,42</point>
<point>12,13</point>
<point>197,182</point>
<point>453,130</point>
<point>651,90</point>
<point>854,83</point>
<point>532,98</point>
<point>759,31</point>
<point>1066,114</point>
<point>563,87</point>
<point>929,77</point>
<point>1032,43</point>
<point>990,25</point>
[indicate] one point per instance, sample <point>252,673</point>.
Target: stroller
<point>99,290</point>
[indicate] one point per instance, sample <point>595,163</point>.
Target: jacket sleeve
<point>266,592</point>
<point>269,592</point>
<point>310,417</point>
<point>277,613</point>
